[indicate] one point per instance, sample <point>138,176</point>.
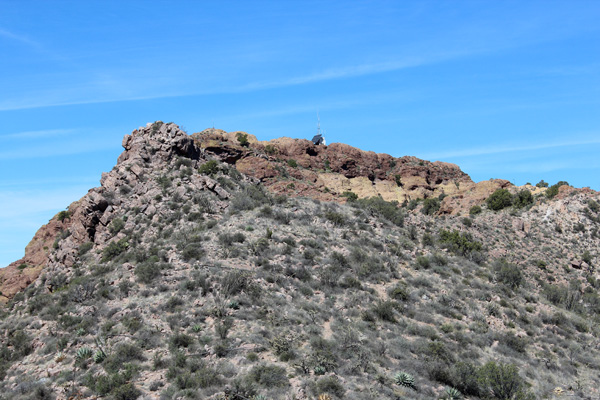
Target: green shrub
<point>269,375</point>
<point>127,391</point>
<point>116,225</point>
<point>292,163</point>
<point>460,243</point>
<point>242,138</point>
<point>63,215</point>
<point>386,209</point>
<point>330,384</point>
<point>270,149</point>
<point>234,282</point>
<point>541,184</point>
<point>508,273</point>
<point>552,191</point>
<point>350,196</point>
<point>465,378</point>
<point>502,381</point>
<point>114,249</point>
<point>523,198</point>
<point>399,292</point>
<point>431,206</point>
<point>210,167</point>
<point>384,310</point>
<point>181,340</point>
<point>474,210</point>
<point>338,219</point>
<point>147,271</point>
<point>500,199</point>
<point>84,248</point>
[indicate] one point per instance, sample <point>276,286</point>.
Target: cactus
<point>83,353</point>
<point>99,356</point>
<point>406,380</point>
<point>319,370</point>
<point>453,394</point>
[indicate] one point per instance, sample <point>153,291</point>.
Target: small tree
<point>502,381</point>
<point>500,199</point>
<point>523,199</point>
<point>243,139</point>
<point>553,190</point>
<point>431,206</point>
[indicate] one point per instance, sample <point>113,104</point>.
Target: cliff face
<point>297,167</point>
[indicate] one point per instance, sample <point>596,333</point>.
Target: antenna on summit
<point>318,138</point>
<point>318,124</point>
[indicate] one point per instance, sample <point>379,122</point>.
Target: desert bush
<point>227,239</point>
<point>507,273</point>
<point>500,199</point>
<point>242,139</point>
<point>502,381</point>
<point>460,243</point>
<point>350,196</point>
<point>386,209</point>
<point>147,271</point>
<point>116,225</point>
<point>399,292</point>
<point>474,210</point>
<point>180,340</point>
<point>384,310</point>
<point>269,375</point>
<point>84,248</point>
<point>523,198</point>
<point>331,385</point>
<point>465,378</point>
<point>61,216</point>
<point>250,198</point>
<point>114,249</point>
<point>552,191</point>
<point>431,206</point>
<point>234,282</point>
<point>210,167</point>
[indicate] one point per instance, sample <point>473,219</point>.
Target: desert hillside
<point>215,266</point>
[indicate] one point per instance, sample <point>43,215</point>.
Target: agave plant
<point>406,380</point>
<point>453,394</point>
<point>99,356</point>
<point>83,353</point>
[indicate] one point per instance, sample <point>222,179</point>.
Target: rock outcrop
<point>300,168</point>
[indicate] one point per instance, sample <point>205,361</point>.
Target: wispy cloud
<point>46,133</point>
<point>499,149</point>
<point>18,38</point>
<point>68,180</point>
<point>55,150</point>
<point>55,98</point>
<point>352,71</point>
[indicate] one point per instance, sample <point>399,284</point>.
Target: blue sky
<point>503,89</point>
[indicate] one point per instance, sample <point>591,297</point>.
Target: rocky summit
<point>216,266</point>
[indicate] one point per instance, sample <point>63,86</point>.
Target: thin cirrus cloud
<point>45,133</point>
<point>498,149</point>
<point>56,150</point>
<point>353,71</point>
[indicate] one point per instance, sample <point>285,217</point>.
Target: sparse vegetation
<point>218,288</point>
